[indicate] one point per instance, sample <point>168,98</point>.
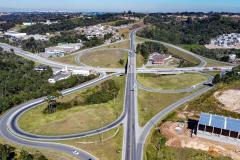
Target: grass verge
<point>106,146</point>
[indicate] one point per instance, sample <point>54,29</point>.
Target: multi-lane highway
<point>130,153</point>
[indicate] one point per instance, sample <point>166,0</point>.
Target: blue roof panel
<point>217,121</point>
<point>233,124</point>
<point>204,119</point>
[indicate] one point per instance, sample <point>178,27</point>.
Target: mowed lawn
<point>69,59</point>
<point>149,104</point>
<point>178,81</point>
<point>76,119</point>
<point>110,148</point>
<point>108,58</point>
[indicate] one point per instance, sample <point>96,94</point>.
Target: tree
<point>6,152</point>
<point>52,102</point>
<point>24,155</point>
<point>121,61</point>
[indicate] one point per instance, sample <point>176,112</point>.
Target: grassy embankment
<point>106,146</point>
<point>76,119</point>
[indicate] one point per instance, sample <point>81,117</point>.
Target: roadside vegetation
<point>176,81</point>
<point>105,146</point>
<point>19,82</point>
<point>99,105</point>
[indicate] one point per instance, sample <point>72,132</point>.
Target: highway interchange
<point>134,135</point>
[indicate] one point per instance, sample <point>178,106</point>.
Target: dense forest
<point>8,152</point>
<point>191,31</point>
<point>19,81</point>
<point>69,24</point>
<point>146,48</point>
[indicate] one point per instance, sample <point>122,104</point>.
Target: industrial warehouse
<point>220,126</point>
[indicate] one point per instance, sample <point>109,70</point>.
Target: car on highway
<point>75,152</point>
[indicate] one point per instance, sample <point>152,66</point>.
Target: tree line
<point>8,152</point>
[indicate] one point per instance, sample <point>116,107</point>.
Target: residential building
<point>231,40</point>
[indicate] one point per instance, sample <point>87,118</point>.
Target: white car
<point>75,152</point>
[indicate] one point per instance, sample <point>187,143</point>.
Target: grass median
<point>150,103</point>
<point>76,119</point>
<point>177,81</point>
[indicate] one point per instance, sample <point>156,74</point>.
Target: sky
<point>122,5</point>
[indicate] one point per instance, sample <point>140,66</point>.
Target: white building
<point>28,23</point>
<point>66,73</point>
<point>232,57</point>
<point>16,35</point>
<point>62,49</point>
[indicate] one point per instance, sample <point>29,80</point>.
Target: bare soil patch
<point>230,99</point>
<point>184,140</point>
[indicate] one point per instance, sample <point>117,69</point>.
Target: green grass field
<point>178,81</point>
<point>152,103</point>
<point>106,146</point>
<point>76,119</point>
<point>69,59</point>
<point>105,58</point>
<point>122,45</point>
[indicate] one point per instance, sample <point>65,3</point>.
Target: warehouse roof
<point>220,122</point>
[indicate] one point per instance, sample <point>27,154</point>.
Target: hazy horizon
<point>119,6</point>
